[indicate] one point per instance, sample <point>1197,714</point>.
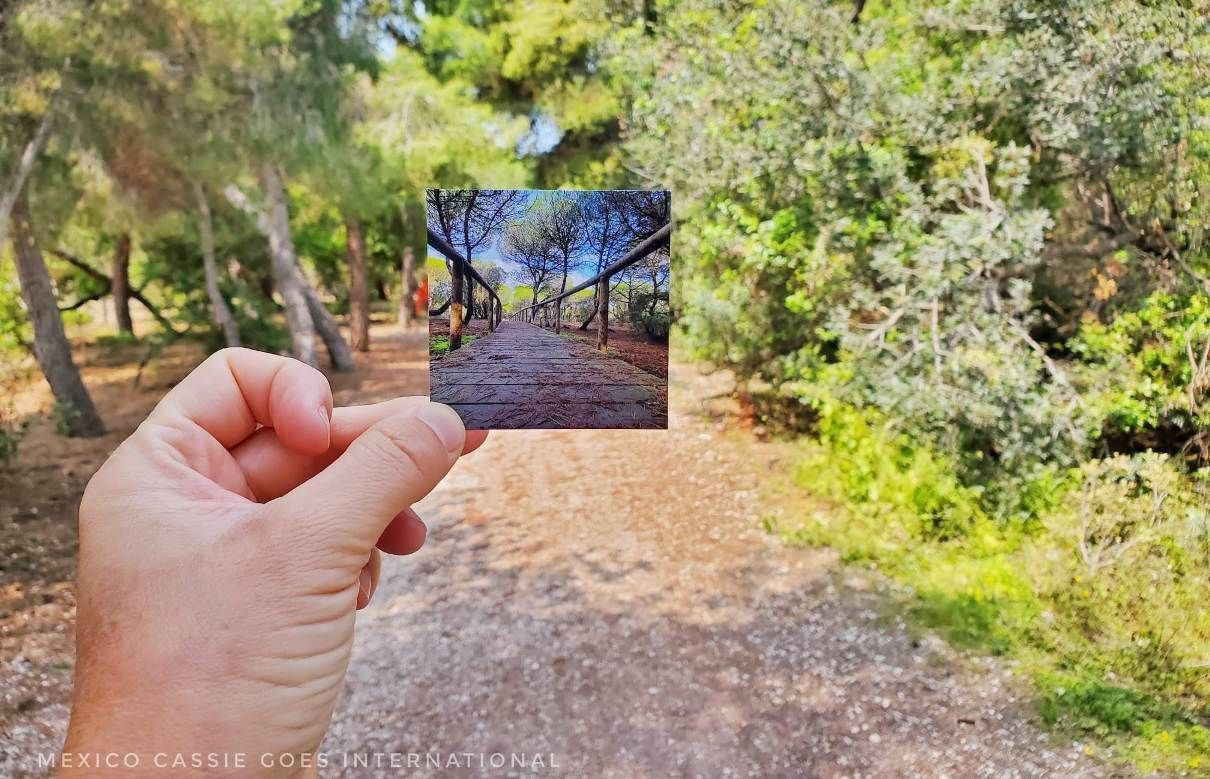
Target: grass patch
<point>439,345</point>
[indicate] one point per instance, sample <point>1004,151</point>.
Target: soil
<point>607,599</point>
<point>635,348</point>
<point>441,327</point>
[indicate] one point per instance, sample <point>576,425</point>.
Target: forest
<point>957,250</point>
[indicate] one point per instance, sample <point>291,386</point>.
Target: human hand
<point>224,549</point>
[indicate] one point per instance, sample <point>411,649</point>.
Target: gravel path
<point>607,602</point>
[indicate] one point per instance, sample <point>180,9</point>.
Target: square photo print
<point>549,310</point>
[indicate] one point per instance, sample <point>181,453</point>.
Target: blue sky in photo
<point>490,254</point>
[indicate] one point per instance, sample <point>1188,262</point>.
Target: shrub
<point>12,428</point>
<point>1123,566</point>
<point>650,314</point>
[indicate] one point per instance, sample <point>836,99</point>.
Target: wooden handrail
<point>462,268</point>
<point>651,243</point>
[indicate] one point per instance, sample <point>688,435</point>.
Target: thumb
<point>386,469</point>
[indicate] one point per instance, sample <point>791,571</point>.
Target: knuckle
<point>406,448</point>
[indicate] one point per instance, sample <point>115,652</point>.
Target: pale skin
<point>225,548</point>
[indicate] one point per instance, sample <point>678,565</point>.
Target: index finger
<point>271,469</point>
<point>236,391</point>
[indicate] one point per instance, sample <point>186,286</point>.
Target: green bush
<point>1101,599</point>
<point>1148,375</point>
<point>1123,567</point>
<point>12,428</point>
<point>651,317</point>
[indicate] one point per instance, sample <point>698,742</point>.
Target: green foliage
<point>1131,521</point>
<point>1099,600</point>
<point>439,345</point>
<point>1149,374</point>
<point>12,427</point>
<point>651,314</point>
<point>888,230</point>
<point>901,486</point>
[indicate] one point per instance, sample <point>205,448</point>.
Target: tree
<point>561,223</point>
<point>470,219</point>
<point>273,223</point>
<point>526,246</point>
<point>359,304</point>
<point>609,235</point>
<point>121,283</point>
<point>218,306</point>
<point>75,407</point>
<point>549,61</point>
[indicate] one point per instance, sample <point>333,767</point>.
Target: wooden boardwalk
<point>524,377</point>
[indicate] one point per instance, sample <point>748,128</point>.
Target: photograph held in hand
<point>550,309</point>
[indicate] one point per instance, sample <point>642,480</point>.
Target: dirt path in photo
<point>605,598</point>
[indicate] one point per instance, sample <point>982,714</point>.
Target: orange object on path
<point>420,298</point>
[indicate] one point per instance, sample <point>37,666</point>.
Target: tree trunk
<point>591,314</point>
<point>456,297</point>
<point>603,314</point>
<point>442,308</point>
<point>218,306</point>
<point>407,303</point>
<point>51,348</point>
<point>286,276</point>
<point>325,324</point>
<point>15,186</point>
<point>265,283</point>
<point>359,292</point>
<point>121,284</point>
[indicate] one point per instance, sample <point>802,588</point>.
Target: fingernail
<point>325,417</point>
<point>364,582</point>
<point>444,421</point>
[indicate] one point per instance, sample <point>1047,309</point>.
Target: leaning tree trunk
<point>121,284</point>
<point>79,415</point>
<point>407,302</point>
<point>218,306</point>
<point>359,292</point>
<point>286,276</point>
<point>325,324</point>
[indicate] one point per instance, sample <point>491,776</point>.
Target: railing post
<point>603,314</point>
<point>491,313</point>
<point>455,305</point>
<point>558,316</point>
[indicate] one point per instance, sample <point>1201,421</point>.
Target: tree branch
<point>137,294</point>
<point>236,197</point>
<point>25,165</point>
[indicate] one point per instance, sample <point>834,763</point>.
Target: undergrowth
<point>439,345</point>
<point>1098,595</point>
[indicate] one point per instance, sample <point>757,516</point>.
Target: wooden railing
<point>544,311</point>
<point>463,278</point>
